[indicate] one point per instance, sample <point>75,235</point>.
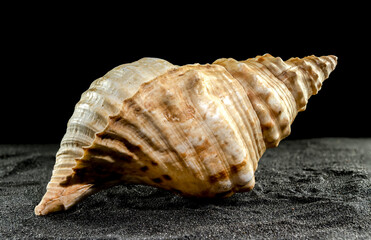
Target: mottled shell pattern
<point>195,130</point>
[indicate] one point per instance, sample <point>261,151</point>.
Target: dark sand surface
<point>306,189</point>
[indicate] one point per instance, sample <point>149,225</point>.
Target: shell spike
<point>63,199</point>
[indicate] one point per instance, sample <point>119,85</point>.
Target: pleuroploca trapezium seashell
<point>196,130</point>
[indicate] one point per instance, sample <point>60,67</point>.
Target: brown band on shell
<point>218,177</point>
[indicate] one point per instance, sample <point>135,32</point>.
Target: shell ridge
<point>156,124</point>
<point>255,97</point>
<point>192,160</point>
<point>237,106</point>
<point>133,67</point>
<point>201,167</point>
<point>272,65</point>
<point>247,89</point>
<point>307,70</point>
<point>273,82</point>
<point>290,79</point>
<point>272,114</point>
<point>221,158</point>
<point>150,120</point>
<point>239,135</point>
<point>252,154</point>
<point>259,145</point>
<point>301,77</point>
<point>247,127</point>
<point>148,124</point>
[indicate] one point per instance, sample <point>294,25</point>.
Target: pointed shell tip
<point>45,208</point>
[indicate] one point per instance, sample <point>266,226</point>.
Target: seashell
<point>195,130</point>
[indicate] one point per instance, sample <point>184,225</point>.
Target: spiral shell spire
<point>278,90</point>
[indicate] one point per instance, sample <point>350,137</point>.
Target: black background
<point>53,53</point>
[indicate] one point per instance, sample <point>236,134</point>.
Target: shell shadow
<point>122,204</point>
<point>150,198</point>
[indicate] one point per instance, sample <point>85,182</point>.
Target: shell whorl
<point>186,141</point>
<point>196,130</point>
